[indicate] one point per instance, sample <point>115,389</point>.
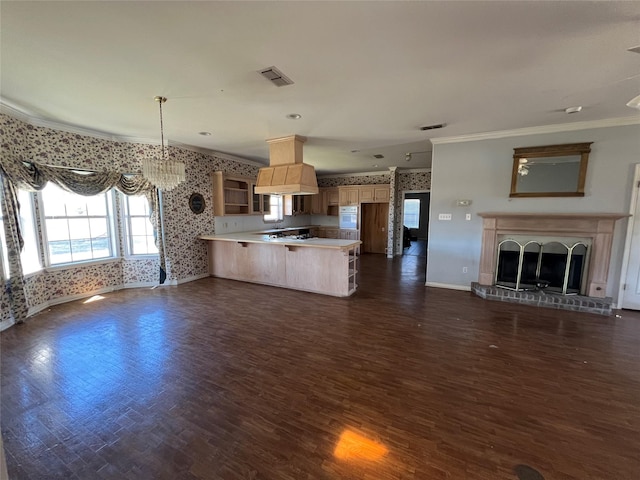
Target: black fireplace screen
<point>553,266</point>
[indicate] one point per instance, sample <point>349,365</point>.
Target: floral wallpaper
<point>186,254</point>
<point>383,178</point>
<point>408,181</point>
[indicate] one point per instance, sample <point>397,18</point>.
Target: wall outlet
<point>465,270</point>
<point>467,216</point>
<point>444,216</point>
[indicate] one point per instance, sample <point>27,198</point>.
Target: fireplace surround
<point>594,229</point>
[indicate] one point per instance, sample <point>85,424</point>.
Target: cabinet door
<point>348,196</point>
<point>366,194</point>
<point>381,194</point>
<point>319,203</point>
<point>333,198</point>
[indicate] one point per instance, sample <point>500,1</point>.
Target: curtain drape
<point>31,176</point>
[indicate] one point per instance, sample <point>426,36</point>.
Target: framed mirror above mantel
<point>550,170</point>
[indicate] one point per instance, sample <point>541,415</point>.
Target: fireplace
<point>552,264</point>
<point>526,256</point>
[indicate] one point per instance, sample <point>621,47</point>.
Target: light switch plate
<point>444,216</point>
<point>468,216</point>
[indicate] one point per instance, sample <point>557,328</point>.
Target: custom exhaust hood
<point>286,174</point>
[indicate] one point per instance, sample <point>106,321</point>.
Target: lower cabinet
<point>347,234</point>
<point>330,271</point>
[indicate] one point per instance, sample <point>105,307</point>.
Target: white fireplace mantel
<point>598,227</point>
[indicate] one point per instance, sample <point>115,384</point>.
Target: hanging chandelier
<point>164,173</point>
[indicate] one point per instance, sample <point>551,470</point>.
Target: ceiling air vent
<point>377,155</point>
<point>433,127</point>
<point>276,77</point>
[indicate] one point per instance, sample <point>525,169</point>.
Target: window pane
<point>53,201</point>
<point>139,226</point>
<point>151,245</point>
<point>100,247</point>
<point>79,228</point>
<point>412,213</point>
<point>99,227</point>
<point>96,206</point>
<point>57,230</point>
<point>137,205</point>
<point>275,213</point>
<point>81,249</point>
<point>139,245</point>
<point>59,252</point>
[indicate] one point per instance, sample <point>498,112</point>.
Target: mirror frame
<point>582,149</point>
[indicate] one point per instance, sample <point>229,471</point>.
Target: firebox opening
<point>553,265</point>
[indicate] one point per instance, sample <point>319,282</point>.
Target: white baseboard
<point>70,298</point>
<point>450,286</point>
<point>139,284</point>
<point>186,280</point>
<point>6,324</point>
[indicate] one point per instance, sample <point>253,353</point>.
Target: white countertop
<point>261,237</point>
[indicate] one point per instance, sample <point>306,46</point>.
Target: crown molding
<point>19,113</point>
<point>9,108</point>
<point>556,128</point>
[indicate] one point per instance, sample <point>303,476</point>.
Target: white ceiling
<point>367,74</point>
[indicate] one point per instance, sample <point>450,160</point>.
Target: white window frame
<point>268,217</point>
<point>111,227</point>
<point>127,238</point>
<point>404,211</point>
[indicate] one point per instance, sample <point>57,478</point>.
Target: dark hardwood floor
<point>217,379</point>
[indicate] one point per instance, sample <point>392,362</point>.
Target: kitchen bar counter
<point>262,237</point>
<point>320,265</point>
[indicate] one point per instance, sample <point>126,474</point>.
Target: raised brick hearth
<point>576,303</point>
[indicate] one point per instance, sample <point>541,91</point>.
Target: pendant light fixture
<point>164,173</point>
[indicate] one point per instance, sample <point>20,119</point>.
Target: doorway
<point>629,294</point>
<point>375,220</point>
<point>415,222</point>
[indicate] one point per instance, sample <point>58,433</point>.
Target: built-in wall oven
<point>348,217</point>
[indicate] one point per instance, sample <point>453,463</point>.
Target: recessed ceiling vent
<point>433,127</point>
<point>378,155</point>
<point>276,77</point>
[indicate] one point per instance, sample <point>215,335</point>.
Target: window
<point>275,209</point>
<point>139,231</point>
<point>78,228</point>
<point>411,213</point>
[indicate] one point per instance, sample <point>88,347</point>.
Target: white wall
<point>481,171</point>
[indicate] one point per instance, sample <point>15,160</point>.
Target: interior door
<point>631,297</point>
<point>375,217</point>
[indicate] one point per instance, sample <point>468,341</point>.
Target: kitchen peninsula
<point>279,258</point>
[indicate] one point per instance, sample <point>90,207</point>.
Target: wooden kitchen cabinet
<point>333,197</point>
<point>349,196</point>
<point>329,232</point>
<point>374,194</point>
<point>297,205</point>
<point>236,196</point>
<point>347,234</point>
<point>231,195</point>
<point>319,202</point>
